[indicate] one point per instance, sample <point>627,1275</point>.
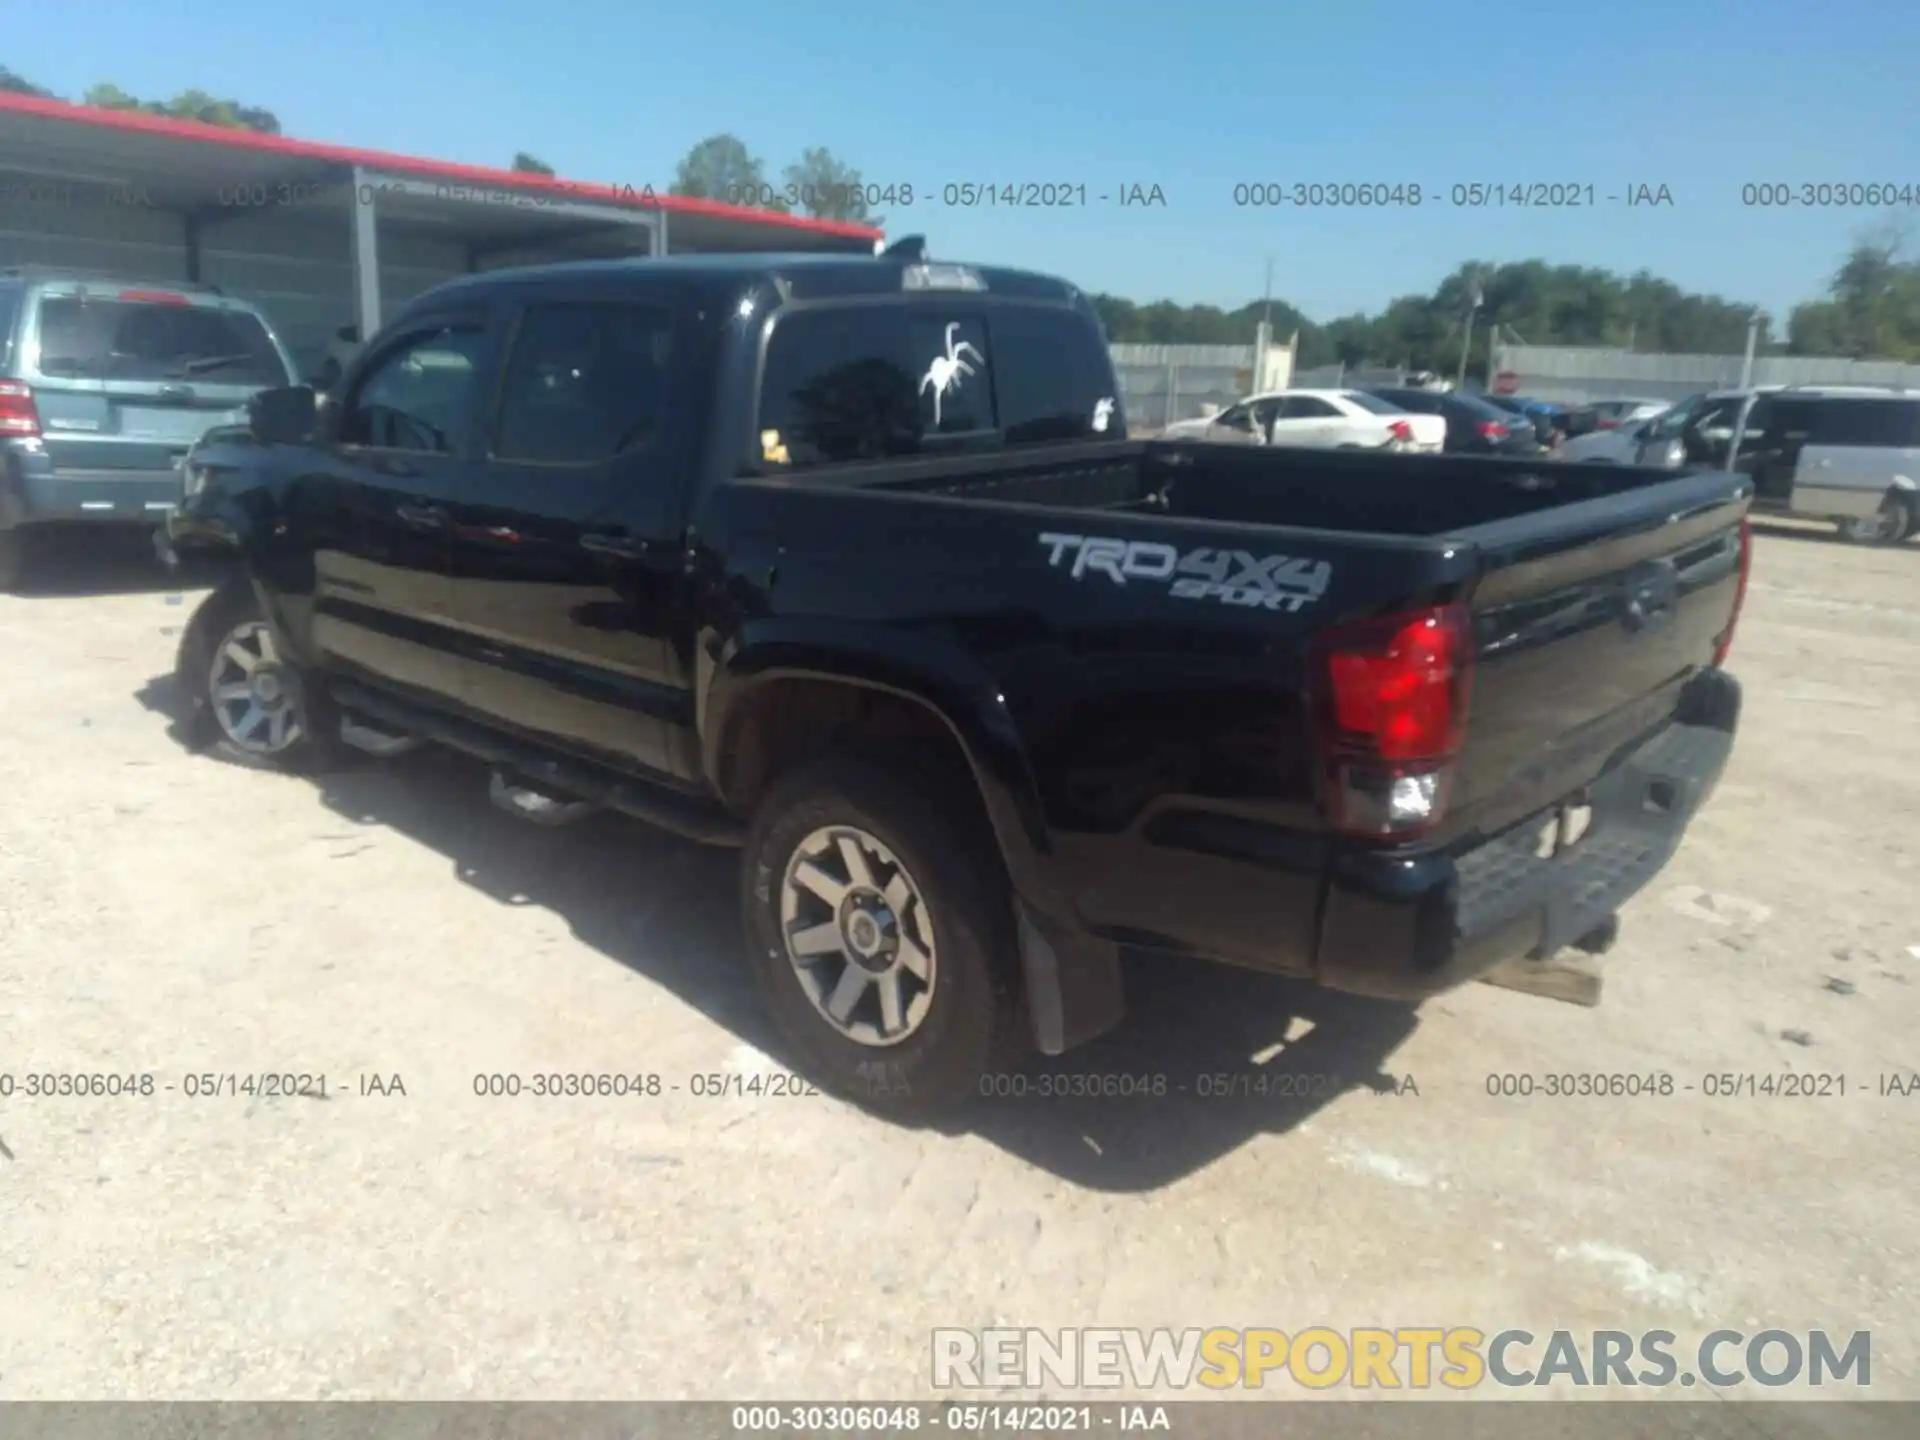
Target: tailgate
<point>1588,619</point>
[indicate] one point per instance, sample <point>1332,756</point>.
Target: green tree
<point>828,189</point>
<point>721,168</point>
<point>526,164</point>
<point>188,105</point>
<point>1872,309</point>
<point>1548,304</point>
<point>19,85</point>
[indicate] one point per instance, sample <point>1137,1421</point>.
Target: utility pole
<point>1753,342</point>
<point>1466,340</point>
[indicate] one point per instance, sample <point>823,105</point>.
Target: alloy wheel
<point>859,935</point>
<point>255,696</point>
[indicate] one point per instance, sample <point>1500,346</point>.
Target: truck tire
<point>880,928</point>
<point>242,696</point>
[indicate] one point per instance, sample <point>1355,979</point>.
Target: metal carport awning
<point>499,219</point>
<point>175,182</point>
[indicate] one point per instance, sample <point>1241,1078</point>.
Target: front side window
<point>583,383</point>
<point>420,396</point>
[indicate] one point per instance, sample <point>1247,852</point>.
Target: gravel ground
<point>386,928</point>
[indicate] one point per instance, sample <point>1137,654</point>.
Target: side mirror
<point>287,416</point>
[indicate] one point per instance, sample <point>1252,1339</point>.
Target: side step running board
<point>533,769</point>
<point>524,802</point>
<point>362,735</point>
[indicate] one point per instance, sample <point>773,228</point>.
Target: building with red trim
<point>321,236</point>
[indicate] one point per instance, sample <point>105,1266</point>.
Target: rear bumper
<point>1410,927</point>
<point>33,495</point>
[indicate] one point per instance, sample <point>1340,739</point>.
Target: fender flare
<point>1073,982</point>
<point>943,680</point>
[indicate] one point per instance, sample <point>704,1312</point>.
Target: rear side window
<point>872,382</point>
<point>584,383</point>
<point>101,339</point>
<point>9,313</point>
<point>1865,422</point>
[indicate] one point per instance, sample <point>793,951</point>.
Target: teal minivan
<point>104,385</point>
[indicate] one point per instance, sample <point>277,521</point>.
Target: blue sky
<point>1700,97</point>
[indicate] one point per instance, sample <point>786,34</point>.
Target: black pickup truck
<point>849,562</point>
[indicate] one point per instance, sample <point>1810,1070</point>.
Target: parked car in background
<point>1316,419</point>
<point>1611,415</point>
<point>1622,446</point>
<point>104,385</point>
<point>1473,426</point>
<point>879,591</point>
<point>1537,413</point>
<point>1845,454</point>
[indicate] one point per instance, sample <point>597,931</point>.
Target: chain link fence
<point>1164,383</point>
<point>1569,374</point>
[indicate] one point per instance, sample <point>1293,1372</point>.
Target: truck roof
<point>798,275</point>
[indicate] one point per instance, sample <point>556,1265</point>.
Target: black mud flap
<point>1074,989</point>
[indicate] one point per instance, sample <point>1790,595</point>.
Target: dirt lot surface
<point>176,915</point>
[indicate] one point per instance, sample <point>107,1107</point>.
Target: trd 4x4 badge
<point>1231,577</point>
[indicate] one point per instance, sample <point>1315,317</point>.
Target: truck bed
<point>1596,593</point>
<point>1407,496</point>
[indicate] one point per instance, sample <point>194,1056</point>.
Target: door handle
<point>422,517</point>
<point>621,547</point>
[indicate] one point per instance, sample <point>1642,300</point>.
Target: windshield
<point>1671,422</point>
<point>91,339</point>
<point>1372,404</point>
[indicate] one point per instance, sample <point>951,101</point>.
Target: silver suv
<point>1847,454</point>
<point>104,385</point>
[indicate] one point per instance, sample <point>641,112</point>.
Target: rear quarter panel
<point>1145,730</point>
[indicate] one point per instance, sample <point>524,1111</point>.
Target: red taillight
<point>1725,643</point>
<point>1493,430</point>
<point>1392,717</point>
<point>1401,430</point>
<point>18,417</point>
<point>1606,424</point>
<point>154,297</point>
